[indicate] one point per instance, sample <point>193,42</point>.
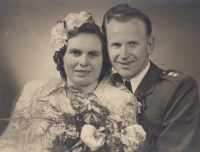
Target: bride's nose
<point>83,61</point>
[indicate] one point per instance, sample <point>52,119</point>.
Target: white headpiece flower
<point>60,31</point>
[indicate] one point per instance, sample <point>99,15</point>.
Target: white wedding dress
<point>42,101</point>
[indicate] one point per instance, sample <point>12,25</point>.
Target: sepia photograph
<point>99,75</point>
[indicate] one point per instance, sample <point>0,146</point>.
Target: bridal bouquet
<point>92,127</point>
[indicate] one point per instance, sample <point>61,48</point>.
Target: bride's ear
<point>151,45</point>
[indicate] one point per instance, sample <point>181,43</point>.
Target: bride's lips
<point>126,63</point>
<point>82,71</point>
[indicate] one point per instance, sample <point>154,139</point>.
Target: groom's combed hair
<point>123,13</point>
<point>90,28</point>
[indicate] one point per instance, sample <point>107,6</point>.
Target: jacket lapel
<point>145,87</point>
<point>116,79</point>
<point>147,84</point>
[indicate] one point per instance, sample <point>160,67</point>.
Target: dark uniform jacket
<point>170,112</point>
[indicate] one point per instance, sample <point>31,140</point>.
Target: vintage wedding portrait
<point>103,76</point>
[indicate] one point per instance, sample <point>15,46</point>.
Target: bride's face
<point>83,59</point>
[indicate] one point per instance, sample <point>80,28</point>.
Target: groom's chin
<point>126,74</point>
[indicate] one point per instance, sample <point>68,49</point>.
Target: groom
<point>170,112</point>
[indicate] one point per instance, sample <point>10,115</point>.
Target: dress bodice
<point>42,101</point>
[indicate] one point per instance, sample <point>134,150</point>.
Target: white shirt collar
<point>136,80</point>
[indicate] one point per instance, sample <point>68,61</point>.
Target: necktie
<point>128,85</point>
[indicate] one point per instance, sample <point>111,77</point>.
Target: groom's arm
<point>181,117</point>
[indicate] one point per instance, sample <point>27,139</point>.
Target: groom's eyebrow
<point>95,51</point>
<point>135,42</point>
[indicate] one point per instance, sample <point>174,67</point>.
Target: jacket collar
<point>145,87</point>
<point>147,84</point>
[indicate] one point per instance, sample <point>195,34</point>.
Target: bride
<point>81,111</point>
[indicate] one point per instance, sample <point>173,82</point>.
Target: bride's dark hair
<point>90,28</point>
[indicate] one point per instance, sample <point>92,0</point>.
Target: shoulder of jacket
<point>172,75</point>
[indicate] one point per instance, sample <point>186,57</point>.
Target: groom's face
<point>129,46</point>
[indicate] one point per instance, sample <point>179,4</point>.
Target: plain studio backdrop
<point>26,53</point>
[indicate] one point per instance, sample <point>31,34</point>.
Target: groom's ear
<point>151,45</point>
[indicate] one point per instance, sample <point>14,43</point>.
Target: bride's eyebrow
<point>74,49</point>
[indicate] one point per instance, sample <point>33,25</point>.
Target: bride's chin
<point>84,85</point>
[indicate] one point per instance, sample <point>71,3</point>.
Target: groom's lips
<point>126,63</point>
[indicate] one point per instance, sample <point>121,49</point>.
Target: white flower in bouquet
<point>93,138</point>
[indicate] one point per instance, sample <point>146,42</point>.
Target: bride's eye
<point>76,53</point>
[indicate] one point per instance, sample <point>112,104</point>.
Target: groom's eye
<point>115,45</point>
<point>132,43</point>
<point>93,54</point>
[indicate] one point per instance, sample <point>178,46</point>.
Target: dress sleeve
<point>181,118</point>
<point>119,102</point>
<point>15,135</point>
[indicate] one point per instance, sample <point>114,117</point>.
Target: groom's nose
<point>124,54</point>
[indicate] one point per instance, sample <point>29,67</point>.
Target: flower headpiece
<point>71,22</point>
